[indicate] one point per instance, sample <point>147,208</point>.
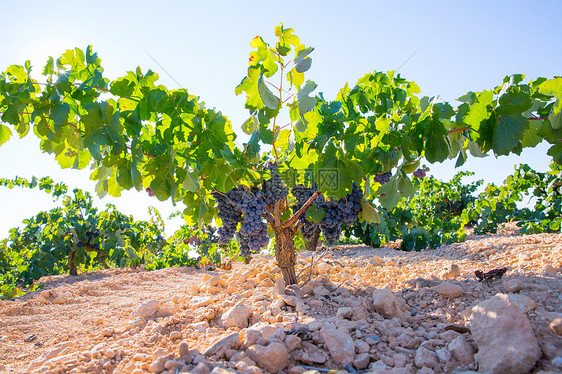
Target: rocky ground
<point>359,309</point>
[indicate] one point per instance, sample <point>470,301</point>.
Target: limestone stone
<point>339,344</point>
<point>362,361</point>
<point>461,350</point>
<point>450,290</point>
<point>272,358</point>
<point>236,316</point>
<point>147,309</point>
<point>229,341</point>
<point>387,304</point>
<point>506,342</point>
<point>425,358</point>
<point>556,326</point>
<point>512,285</point>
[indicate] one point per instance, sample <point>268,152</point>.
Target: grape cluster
<point>383,178</point>
<point>331,223</point>
<point>253,228</point>
<point>421,172</point>
<point>351,204</point>
<point>228,213</point>
<point>273,189</point>
<point>244,205</point>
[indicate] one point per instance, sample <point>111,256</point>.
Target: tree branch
<point>296,216</point>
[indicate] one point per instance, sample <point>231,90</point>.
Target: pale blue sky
<point>204,45</point>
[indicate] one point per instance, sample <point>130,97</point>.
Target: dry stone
<point>506,342</point>
<point>461,350</point>
<point>340,345</point>
<point>425,358</point>
<point>387,304</point>
<point>147,310</point>
<point>237,316</point>
<point>512,285</point>
<point>272,358</point>
<point>229,341</point>
<point>526,304</point>
<point>450,290</point>
<point>452,272</point>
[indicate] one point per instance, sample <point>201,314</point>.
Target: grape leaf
<point>268,98</point>
<point>5,134</point>
<point>314,214</point>
<point>437,142</point>
<point>306,103</point>
<point>508,133</point>
<point>369,212</point>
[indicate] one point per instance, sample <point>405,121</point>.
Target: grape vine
<point>141,135</point>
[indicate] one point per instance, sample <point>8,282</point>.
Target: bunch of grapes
<point>228,213</point>
<point>351,204</point>
<point>274,190</point>
<point>331,223</point>
<point>421,172</point>
<point>253,228</point>
<point>383,178</point>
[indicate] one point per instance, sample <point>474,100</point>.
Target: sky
<point>447,47</point>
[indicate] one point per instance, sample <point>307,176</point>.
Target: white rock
<point>340,345</point>
<point>447,289</point>
<point>512,285</point>
<point>452,272</point>
<point>524,303</point>
<point>230,341</point>
<point>443,355</point>
<point>272,358</point>
<point>279,289</point>
<point>344,312</point>
<point>147,310</point>
<point>461,350</point>
<point>387,304</point>
<point>362,361</point>
<point>506,342</point>
<point>237,316</point>
<point>200,301</point>
<point>425,357</point>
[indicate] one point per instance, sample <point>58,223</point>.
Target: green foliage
<point>74,236</point>
<point>141,135</point>
<point>497,205</point>
<point>439,211</point>
<point>431,217</point>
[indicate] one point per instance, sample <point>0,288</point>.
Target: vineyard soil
<point>245,320</point>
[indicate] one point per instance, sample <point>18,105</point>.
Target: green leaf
<point>49,66</point>
<point>5,134</point>
<point>555,120</point>
<point>302,61</point>
<point>268,98</point>
<point>11,115</point>
<point>335,174</point>
<point>60,113</point>
<point>437,141</point>
<point>306,103</point>
<point>250,125</point>
<point>513,103</point>
<point>553,87</point>
<point>102,128</point>
<point>508,133</point>
<point>556,152</point>
<point>315,214</point>
<point>191,182</point>
<point>369,212</point>
<point>249,85</point>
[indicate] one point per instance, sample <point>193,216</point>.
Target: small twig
<point>313,265</point>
